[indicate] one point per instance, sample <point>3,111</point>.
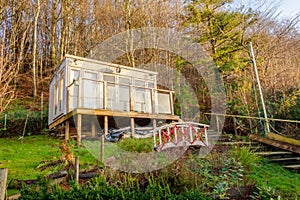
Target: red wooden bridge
<point>180,134</point>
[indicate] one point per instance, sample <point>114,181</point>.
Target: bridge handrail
<point>194,129</point>
<point>179,123</point>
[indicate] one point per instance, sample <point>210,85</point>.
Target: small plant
<point>245,156</point>
<point>136,145</point>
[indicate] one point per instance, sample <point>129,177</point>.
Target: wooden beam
<point>3,179</point>
<point>275,143</point>
<point>115,113</point>
<point>61,119</point>
<point>67,130</point>
<point>79,129</point>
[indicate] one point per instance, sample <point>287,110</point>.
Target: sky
<point>289,7</point>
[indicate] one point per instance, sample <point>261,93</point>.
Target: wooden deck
<point>78,114</point>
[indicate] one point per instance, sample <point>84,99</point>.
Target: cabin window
<point>150,85</point>
<point>74,74</point>
<point>124,93</point>
<point>55,98</point>
<point>109,78</point>
<point>139,83</point>
<point>90,93</point>
<point>125,81</point>
<point>61,85</point>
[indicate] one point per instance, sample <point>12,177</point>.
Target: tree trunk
<point>36,17</point>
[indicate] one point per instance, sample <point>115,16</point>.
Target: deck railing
<point>105,95</point>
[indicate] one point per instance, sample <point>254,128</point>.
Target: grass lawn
<point>275,179</point>
<point>22,157</point>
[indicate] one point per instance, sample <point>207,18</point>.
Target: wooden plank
<point>99,112</point>
<point>61,119</point>
<point>275,143</point>
<point>3,179</point>
<point>281,138</point>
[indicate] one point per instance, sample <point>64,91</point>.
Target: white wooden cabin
<point>83,87</point>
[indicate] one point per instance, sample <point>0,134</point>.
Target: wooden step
<point>275,143</point>
<point>238,143</point>
<point>292,166</point>
<point>285,159</point>
<point>269,153</point>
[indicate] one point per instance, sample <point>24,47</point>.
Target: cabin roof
<point>109,64</point>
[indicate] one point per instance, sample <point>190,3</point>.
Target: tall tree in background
<point>37,6</point>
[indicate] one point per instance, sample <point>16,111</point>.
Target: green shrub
<point>136,145</point>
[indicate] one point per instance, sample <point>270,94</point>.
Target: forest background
<point>36,34</point>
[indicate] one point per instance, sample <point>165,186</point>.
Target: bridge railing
<point>180,134</point>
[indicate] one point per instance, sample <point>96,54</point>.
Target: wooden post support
<point>132,127</point>
<point>3,178</point>
<point>79,129</point>
<point>102,138</point>
<point>93,127</point>
<point>67,130</point>
<point>154,123</point>
<point>77,169</point>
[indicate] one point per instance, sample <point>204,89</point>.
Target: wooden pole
<point>102,138</point>
<point>77,169</point>
<point>67,130</point>
<point>3,178</point>
<point>132,127</point>
<point>79,129</point>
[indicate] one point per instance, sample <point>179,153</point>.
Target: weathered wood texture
<point>275,143</point>
<point>281,138</point>
<point>3,178</point>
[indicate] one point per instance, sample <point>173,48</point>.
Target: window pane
<point>74,74</point>
<point>109,78</point>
